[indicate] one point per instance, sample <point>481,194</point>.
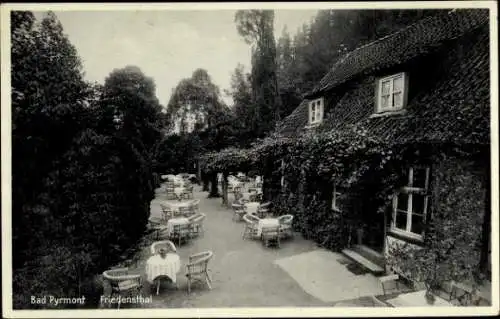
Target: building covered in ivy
<point>421,98</point>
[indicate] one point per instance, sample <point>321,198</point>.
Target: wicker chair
<point>165,244</point>
<point>166,212</point>
<point>122,282</point>
<point>239,211</point>
<point>170,193</point>
<point>196,223</point>
<point>196,205</point>
<point>286,225</point>
<point>271,234</point>
<point>185,211</point>
<point>180,233</point>
<point>251,226</point>
<point>157,225</point>
<point>197,269</point>
<point>187,193</point>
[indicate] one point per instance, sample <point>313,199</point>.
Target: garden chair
<point>251,226</point>
<point>196,206</point>
<point>166,212</point>
<point>185,211</point>
<point>187,193</point>
<point>270,235</point>
<point>196,223</point>
<point>197,269</point>
<point>180,233</point>
<point>286,225</point>
<point>170,193</point>
<point>123,282</point>
<point>239,211</point>
<point>157,225</point>
<point>165,244</point>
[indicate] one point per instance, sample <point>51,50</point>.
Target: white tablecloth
<point>417,299</point>
<point>179,190</point>
<point>252,207</point>
<point>266,222</point>
<point>157,266</point>
<point>175,221</point>
<point>174,205</point>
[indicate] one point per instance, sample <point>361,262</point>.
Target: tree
<point>256,28</point>
<point>241,92</point>
<point>196,100</point>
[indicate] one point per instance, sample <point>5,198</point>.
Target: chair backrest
<point>165,244</point>
<point>118,275</point>
<point>181,229</point>
<point>265,205</point>
<point>196,205</point>
<point>237,207</point>
<point>247,219</point>
<point>253,218</point>
<point>185,209</point>
<point>198,263</point>
<point>270,231</point>
<point>285,219</point>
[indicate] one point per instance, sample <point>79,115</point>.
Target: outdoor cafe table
<point>175,221</point>
<point>266,222</point>
<point>158,267</point>
<point>174,205</point>
<point>179,190</point>
<point>252,207</point>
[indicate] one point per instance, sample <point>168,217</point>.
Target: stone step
<point>370,254</point>
<point>375,269</point>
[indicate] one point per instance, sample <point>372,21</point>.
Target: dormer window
<point>392,92</point>
<point>316,111</point>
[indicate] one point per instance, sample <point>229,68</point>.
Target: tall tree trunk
<point>225,200</point>
<point>214,188</point>
<point>205,178</point>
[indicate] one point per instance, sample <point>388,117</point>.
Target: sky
<point>166,45</point>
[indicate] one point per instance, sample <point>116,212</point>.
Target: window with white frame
<point>410,204</point>
<point>316,111</point>
<point>392,92</point>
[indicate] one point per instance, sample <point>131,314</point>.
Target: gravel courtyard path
<point>243,271</point>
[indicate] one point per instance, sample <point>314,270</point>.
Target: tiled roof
<point>396,48</point>
<point>454,106</point>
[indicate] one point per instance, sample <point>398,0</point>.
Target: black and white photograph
<point>249,159</point>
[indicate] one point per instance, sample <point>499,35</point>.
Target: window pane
<point>419,177</point>
<point>398,84</point>
<point>386,87</point>
<point>417,204</point>
<point>417,224</point>
<point>397,100</point>
<point>403,202</point>
<point>385,101</point>
<point>401,220</point>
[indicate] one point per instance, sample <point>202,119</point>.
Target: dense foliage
<point>368,170</point>
<point>82,163</point>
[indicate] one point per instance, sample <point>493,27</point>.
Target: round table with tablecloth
<point>266,222</point>
<point>179,190</point>
<point>174,205</point>
<point>156,266</point>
